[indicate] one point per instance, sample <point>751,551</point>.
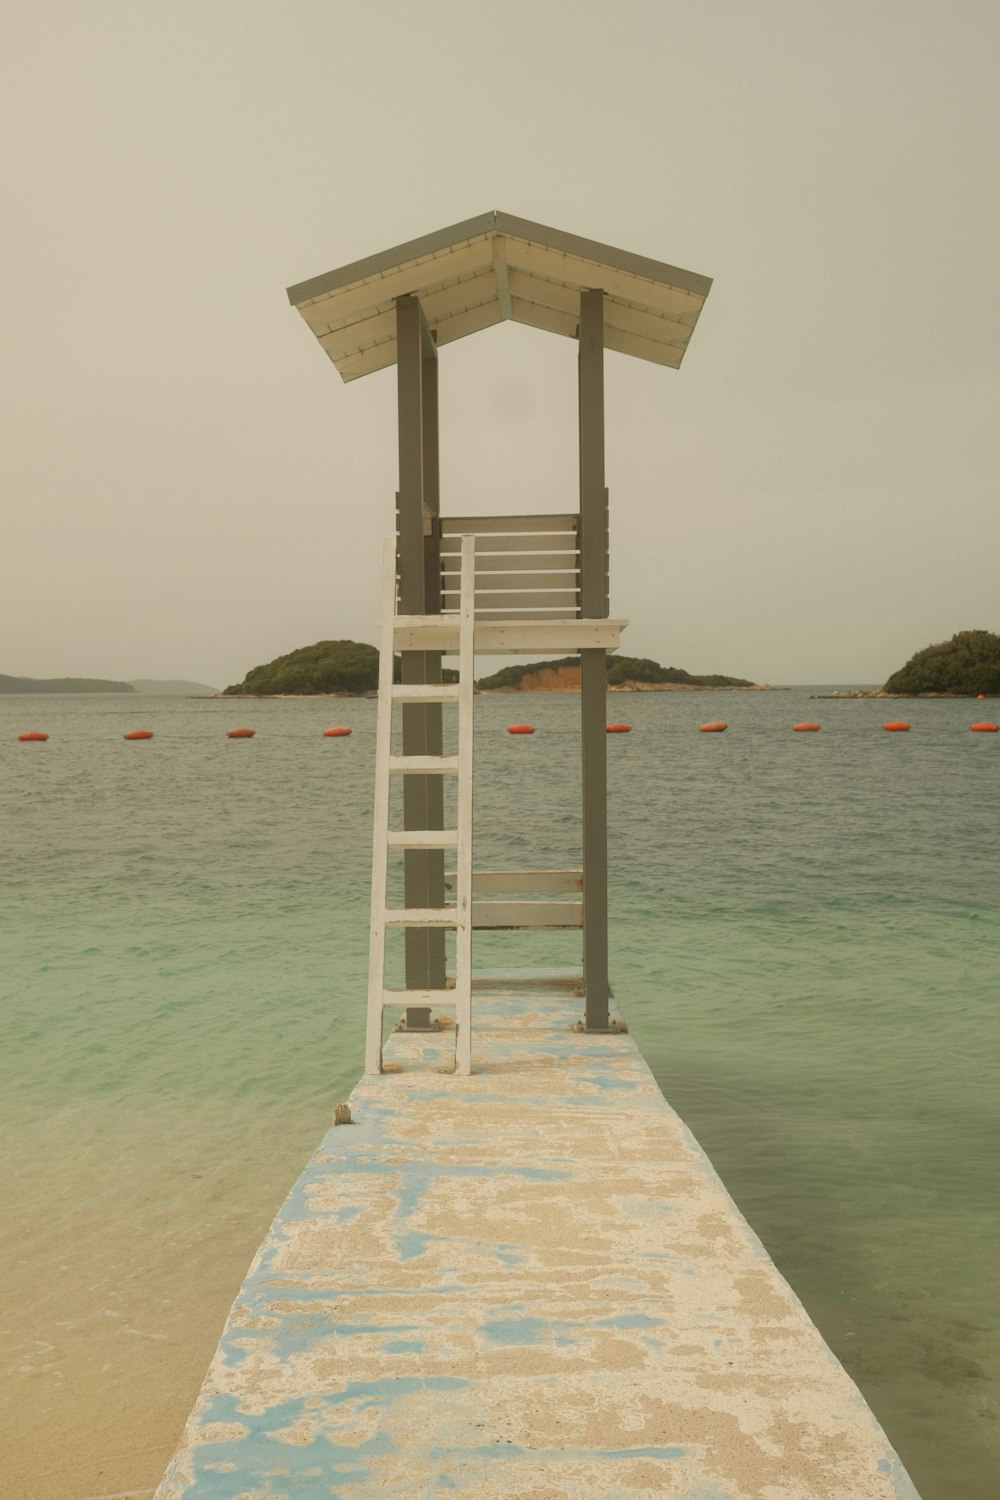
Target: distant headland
<point>964,667</point>
<point>62,685</point>
<point>351,668</point>
<point>166,685</point>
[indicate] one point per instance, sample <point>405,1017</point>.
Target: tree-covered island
<point>963,667</point>
<point>352,667</point>
<point>341,667</point>
<point>625,674</point>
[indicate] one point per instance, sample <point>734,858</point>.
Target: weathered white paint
<point>509,637</point>
<point>526,1282</point>
<point>459,915</point>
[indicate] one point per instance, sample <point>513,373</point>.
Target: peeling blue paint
<point>629,1320</point>
<point>517,1330</point>
<point>411,1245</point>
<point>400,1251</point>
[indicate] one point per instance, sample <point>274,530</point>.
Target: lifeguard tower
<point>527,1281</point>
<point>467,586</point>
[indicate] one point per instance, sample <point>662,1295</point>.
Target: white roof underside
<point>495,267</point>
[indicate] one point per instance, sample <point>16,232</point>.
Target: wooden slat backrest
<point>527,567</point>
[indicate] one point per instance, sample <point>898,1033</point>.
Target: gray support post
<point>423,871</point>
<point>593,664</point>
<point>432,712</point>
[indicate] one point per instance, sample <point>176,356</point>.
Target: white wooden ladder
<point>457,917</point>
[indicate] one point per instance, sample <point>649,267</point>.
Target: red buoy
<point>806,725</point>
<point>520,729</point>
<point>716,727</point>
<point>983,727</point>
<point>896,724</point>
<point>241,734</point>
<point>980,695</point>
<point>138,734</point>
<point>32,734</point>
<point>619,729</point>
<point>336,733</point>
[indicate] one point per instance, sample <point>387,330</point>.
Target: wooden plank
<point>552,881</point>
<point>568,612</point>
<point>423,838</point>
<point>562,636</point>
<point>583,274</point>
<point>570,579</point>
<point>655,352</point>
<point>497,563</point>
<point>501,636</point>
<point>508,525</point>
<point>545,318</point>
<point>420,916</point>
<point>353,366</point>
<point>646,322</point>
<point>425,692</point>
<point>525,914</point>
<point>407,998</point>
<point>556,541</point>
<point>646,325</point>
<point>423,765</point>
<point>579,247</point>
<point>358,299</point>
<point>565,600</point>
<point>470,320</point>
<point>360,335</point>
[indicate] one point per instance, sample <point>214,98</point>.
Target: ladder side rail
<point>380,832</point>
<point>463,862</point>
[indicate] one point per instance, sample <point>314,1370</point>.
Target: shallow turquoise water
<point>804,938</point>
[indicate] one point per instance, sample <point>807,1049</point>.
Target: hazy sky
<point>189,489</point>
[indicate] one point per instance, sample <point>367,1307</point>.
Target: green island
<point>326,667</point>
<point>62,685</point>
<point>963,667</point>
<point>348,667</point>
<point>338,667</point>
<point>625,673</point>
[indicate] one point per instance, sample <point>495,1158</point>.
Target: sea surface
<point>805,939</point>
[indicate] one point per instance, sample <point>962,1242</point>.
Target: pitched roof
<point>493,267</point>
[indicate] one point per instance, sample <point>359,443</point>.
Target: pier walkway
<point>527,1283</point>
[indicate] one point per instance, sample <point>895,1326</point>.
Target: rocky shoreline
<point>881,693</point>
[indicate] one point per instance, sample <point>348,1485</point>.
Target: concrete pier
<point>526,1283</point>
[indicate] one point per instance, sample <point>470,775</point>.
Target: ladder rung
<point>510,914</point>
<point>518,881</point>
<point>423,838</point>
<point>422,916</point>
<point>426,692</point>
<point>433,998</point>
<point>423,765</point>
